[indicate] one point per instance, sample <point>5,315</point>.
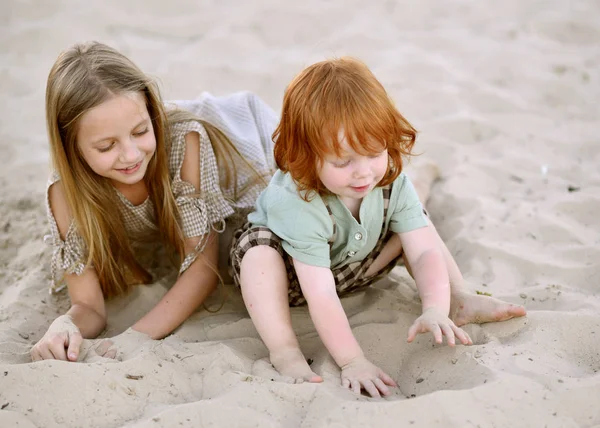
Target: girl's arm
<point>86,317</point>
<point>87,302</point>
<point>199,280</point>
<point>188,292</point>
<point>327,313</point>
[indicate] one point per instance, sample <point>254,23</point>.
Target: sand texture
<point>505,96</point>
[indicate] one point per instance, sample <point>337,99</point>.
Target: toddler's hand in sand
<point>439,325</point>
<point>62,341</point>
<point>360,373</point>
<point>122,345</point>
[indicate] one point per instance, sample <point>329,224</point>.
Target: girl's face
<point>351,176</point>
<point>116,139</point>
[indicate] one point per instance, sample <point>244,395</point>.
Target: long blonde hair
<point>83,77</point>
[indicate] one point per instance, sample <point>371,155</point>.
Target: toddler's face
<point>116,139</point>
<point>352,175</point>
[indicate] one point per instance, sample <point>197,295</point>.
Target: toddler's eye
<point>140,133</point>
<point>341,164</point>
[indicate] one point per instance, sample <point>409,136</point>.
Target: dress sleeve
<point>68,256</point>
<point>199,212</point>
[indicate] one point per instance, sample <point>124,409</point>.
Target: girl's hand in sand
<point>360,373</point>
<point>439,325</point>
<point>93,350</point>
<point>122,345</point>
<point>62,341</point>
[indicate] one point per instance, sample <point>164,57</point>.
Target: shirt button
<point>358,236</point>
<point>351,253</point>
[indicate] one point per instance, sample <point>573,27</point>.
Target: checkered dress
<point>348,278</point>
<point>248,123</point>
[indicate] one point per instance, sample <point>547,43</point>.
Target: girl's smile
<point>132,168</point>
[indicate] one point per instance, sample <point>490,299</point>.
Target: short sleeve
<point>198,211</point>
<point>68,256</point>
<point>407,211</point>
<point>305,228</point>
<point>203,211</point>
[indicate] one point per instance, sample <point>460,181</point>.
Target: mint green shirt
<point>306,227</point>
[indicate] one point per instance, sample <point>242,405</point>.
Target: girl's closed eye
<point>140,133</point>
<point>106,148</point>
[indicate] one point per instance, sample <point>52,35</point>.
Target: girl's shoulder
<point>56,203</point>
<point>53,178</point>
<point>178,133</point>
<point>178,130</point>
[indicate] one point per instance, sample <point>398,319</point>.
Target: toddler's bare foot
<point>473,308</point>
<point>291,363</point>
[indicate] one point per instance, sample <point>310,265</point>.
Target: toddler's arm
<point>318,287</point>
<point>327,313</point>
<point>429,270</point>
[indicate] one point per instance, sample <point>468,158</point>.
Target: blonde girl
<point>128,173</point>
<point>337,215</point>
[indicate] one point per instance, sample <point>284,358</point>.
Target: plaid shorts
<point>348,278</point>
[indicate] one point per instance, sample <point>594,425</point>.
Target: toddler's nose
<point>361,168</point>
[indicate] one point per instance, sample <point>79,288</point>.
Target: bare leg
<point>264,286</point>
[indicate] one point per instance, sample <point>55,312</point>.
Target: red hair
<point>323,99</point>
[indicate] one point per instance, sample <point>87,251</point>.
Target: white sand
<point>505,95</point>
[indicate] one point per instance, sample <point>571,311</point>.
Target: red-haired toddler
<point>337,215</point>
